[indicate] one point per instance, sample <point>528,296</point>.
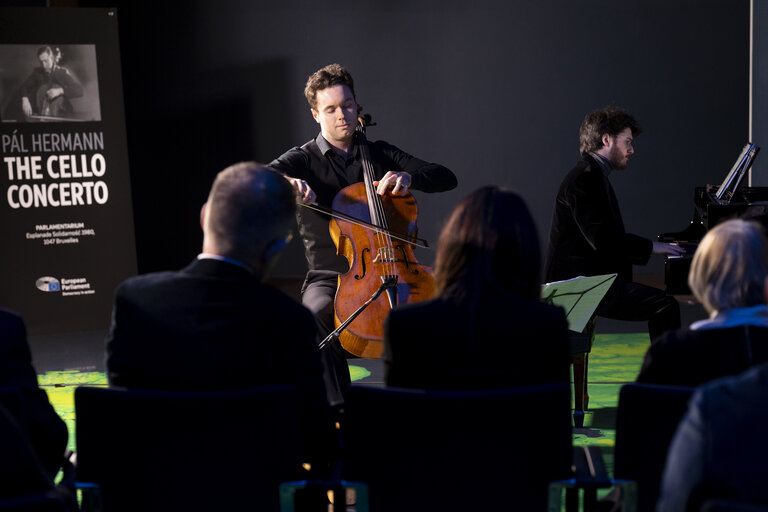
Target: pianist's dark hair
<point>610,120</point>
<point>323,78</point>
<point>489,241</point>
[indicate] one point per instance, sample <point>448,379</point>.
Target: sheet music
<point>727,188</point>
<point>579,297</point>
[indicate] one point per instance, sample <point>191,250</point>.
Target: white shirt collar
<point>209,256</point>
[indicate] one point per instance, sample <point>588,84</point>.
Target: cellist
<point>50,86</point>
<point>318,170</point>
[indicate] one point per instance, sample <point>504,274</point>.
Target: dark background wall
<point>493,89</point>
<point>760,91</point>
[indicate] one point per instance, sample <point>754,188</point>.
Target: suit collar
<point>599,162</point>
<point>217,268</point>
<point>206,256</point>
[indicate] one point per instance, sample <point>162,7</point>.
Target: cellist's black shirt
<point>327,173</point>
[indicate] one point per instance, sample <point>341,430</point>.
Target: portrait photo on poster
<point>48,83</point>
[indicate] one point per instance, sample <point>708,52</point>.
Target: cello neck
<point>375,207</point>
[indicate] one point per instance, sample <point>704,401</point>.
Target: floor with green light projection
<point>615,360</point>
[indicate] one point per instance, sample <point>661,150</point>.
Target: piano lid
<point>713,205</point>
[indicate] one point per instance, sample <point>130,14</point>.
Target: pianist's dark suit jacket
<point>688,358</point>
<point>517,341</point>
<point>587,235</point>
<point>47,432</point>
<point>212,325</point>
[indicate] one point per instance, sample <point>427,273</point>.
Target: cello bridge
<point>385,255</point>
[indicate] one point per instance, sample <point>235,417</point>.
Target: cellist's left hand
<point>398,182</point>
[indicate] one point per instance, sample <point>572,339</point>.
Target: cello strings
<point>416,242</point>
<point>381,220</point>
<point>377,210</point>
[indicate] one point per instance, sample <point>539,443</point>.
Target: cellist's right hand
<point>304,193</point>
<point>26,107</point>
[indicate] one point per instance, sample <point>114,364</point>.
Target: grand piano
<point>712,205</point>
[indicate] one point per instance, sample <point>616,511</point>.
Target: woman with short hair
<point>727,276</point>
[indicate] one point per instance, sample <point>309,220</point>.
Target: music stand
<point>730,184</point>
<point>579,297</point>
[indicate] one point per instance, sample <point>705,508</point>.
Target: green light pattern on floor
<point>358,372</point>
<point>615,360</point>
<point>60,387</point>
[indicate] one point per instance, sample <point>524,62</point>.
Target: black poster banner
<point>66,221</point>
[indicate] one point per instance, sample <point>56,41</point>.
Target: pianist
<point>587,235</point>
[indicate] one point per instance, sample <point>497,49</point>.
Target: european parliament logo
<point>48,284</point>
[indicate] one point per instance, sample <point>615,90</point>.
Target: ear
<point>315,113</point>
<point>607,140</point>
<point>202,215</point>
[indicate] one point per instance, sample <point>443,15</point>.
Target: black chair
<point>24,484</point>
<point>186,450</point>
<point>731,506</point>
<point>646,421</point>
<point>457,450</point>
<point>44,502</point>
<point>579,493</point>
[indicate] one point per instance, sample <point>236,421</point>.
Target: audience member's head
<point>490,239</point>
<point>249,215</point>
<point>730,266</point>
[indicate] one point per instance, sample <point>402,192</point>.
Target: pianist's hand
<point>668,249</point>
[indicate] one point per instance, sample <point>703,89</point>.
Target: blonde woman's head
<point>730,266</point>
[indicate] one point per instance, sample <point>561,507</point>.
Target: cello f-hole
<point>405,259</point>
<point>362,262</point>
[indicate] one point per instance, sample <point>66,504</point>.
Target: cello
<point>48,103</point>
<point>380,254</point>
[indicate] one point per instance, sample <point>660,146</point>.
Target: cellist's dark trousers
<point>317,295</point>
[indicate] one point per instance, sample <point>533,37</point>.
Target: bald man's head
<point>250,209</point>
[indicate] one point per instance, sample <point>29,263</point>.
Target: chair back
<point>188,450</point>
<point>43,502</point>
<point>457,450</point>
<point>718,505</point>
<point>646,421</point>
<point>24,484</point>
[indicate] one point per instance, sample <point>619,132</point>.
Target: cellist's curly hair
<point>330,75</point>
<point>44,49</point>
<point>490,240</point>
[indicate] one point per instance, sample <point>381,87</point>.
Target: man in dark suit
<point>46,431</point>
<point>587,235</point>
<point>215,324</point>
